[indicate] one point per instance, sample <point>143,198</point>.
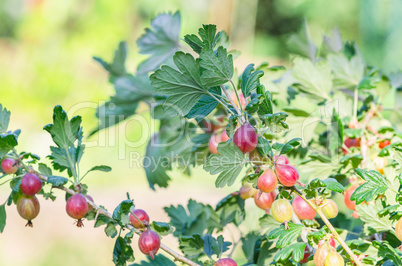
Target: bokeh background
<point>46,50</point>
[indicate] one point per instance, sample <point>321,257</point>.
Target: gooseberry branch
<point>329,225</point>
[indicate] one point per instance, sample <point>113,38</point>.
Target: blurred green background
<point>46,59</point>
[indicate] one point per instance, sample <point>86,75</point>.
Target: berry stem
<point>330,226</point>
<point>233,104</point>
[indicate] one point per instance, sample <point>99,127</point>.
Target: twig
<point>99,210</point>
<point>232,103</point>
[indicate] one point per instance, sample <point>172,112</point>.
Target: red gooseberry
<point>245,138</point>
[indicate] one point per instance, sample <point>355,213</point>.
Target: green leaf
<point>355,160</point>
<point>372,222</point>
<point>386,250</point>
<point>296,249</point>
<point>250,79</point>
<point>248,244</point>
<point>158,164</point>
<point>275,122</point>
<point>300,43</point>
<point>288,146</point>
<point>376,185</point>
<point>209,38</point>
<point>160,41</point>
<point>334,185</point>
<point>64,132</point>
<point>129,92</point>
<point>110,230</point>
<point>231,210</point>
<point>122,252</point>
<point>44,169</point>
<point>159,260</point>
<point>183,86</point>
<point>264,147</point>
<point>192,246</point>
<point>122,211</point>
<point>229,163</point>
<point>347,72</point>
<point>117,67</point>
<point>161,228</point>
<point>266,106</point>
<point>268,222</point>
<point>3,216</point>
<point>102,168</point>
<point>57,180</point>
<point>296,111</point>
<point>286,236</point>
<point>60,159</point>
<point>4,119</point>
<point>315,79</point>
<point>7,142</point>
<point>215,246</point>
<point>218,68</point>
<point>205,105</point>
<point>195,220</point>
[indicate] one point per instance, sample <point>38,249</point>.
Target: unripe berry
<point>140,217</point>
<point>9,166</point>
<point>398,229</point>
<point>348,193</point>
<point>256,158</point>
<point>329,209</point>
<point>281,159</point>
<point>334,259</point>
<point>264,200</point>
<point>321,254</point>
<point>30,184</point>
<point>267,181</point>
<point>302,209</point>
<point>281,210</point>
<point>287,174</point>
<point>245,138</point>
<point>225,262</point>
<point>149,243</point>
<point>28,208</point>
<point>247,191</point>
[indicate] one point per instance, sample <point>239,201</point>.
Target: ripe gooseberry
<point>30,184</point>
<point>139,218</point>
<point>334,259</point>
<point>149,243</point>
<point>241,97</point>
<point>28,208</point>
<point>247,191</point>
<point>282,210</point>
<point>287,174</point>
<point>215,139</point>
<point>398,229</point>
<point>77,208</point>
<point>306,255</point>
<point>225,262</point>
<point>267,182</point>
<point>245,138</point>
<point>302,209</point>
<point>212,126</point>
<point>348,193</point>
<point>321,254</point>
<point>329,208</point>
<point>351,143</point>
<point>264,200</point>
<point>281,159</point>
<point>384,143</point>
<point>9,166</point>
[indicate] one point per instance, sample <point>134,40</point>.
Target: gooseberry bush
<point>315,146</point>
